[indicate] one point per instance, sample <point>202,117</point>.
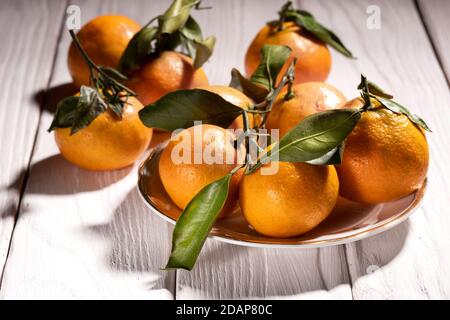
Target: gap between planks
<point>343,246</point>
<point>430,39</point>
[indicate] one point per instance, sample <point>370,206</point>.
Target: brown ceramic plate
<point>349,221</point>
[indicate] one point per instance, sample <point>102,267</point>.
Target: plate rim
<point>365,232</point>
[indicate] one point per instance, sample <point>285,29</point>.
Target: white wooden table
<point>68,233</point>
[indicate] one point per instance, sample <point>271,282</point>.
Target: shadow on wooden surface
<point>52,96</point>
<point>62,178</point>
<point>377,251</point>
<point>135,247</point>
<point>304,272</point>
<point>131,234</point>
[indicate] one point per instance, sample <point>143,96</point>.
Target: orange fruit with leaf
<point>314,58</point>
<point>151,61</point>
<point>235,97</point>
<point>386,156</point>
<point>99,128</point>
<point>104,39</point>
<point>194,158</point>
<point>307,38</point>
<point>109,142</point>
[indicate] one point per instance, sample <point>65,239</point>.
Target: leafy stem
<point>282,15</point>
<point>198,7</point>
<point>287,79</point>
<point>264,108</point>
<point>364,87</point>
<point>371,92</point>
<point>307,22</point>
<point>86,58</point>
<point>246,126</point>
<point>104,79</point>
<point>291,75</point>
<point>175,28</point>
<point>104,93</point>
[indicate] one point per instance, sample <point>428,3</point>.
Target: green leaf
<point>203,50</point>
<point>172,42</point>
<point>179,109</point>
<point>307,21</point>
<point>65,113</point>
<point>332,157</point>
<point>369,90</point>
<point>175,27</point>
<point>90,106</point>
<point>256,92</point>
<point>399,109</point>
<point>191,29</point>
<point>315,137</point>
<point>77,112</point>
<point>114,73</point>
<point>195,222</point>
<point>373,88</point>
<point>273,57</point>
<point>176,16</point>
<point>116,108</point>
<point>114,101</point>
<point>198,48</point>
<point>138,50</point>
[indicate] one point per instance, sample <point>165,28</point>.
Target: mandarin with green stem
<point>313,56</point>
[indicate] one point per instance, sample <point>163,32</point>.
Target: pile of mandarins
<point>385,156</point>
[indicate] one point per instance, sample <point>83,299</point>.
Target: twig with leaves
<point>105,92</point>
<point>175,28</point>
<point>307,21</point>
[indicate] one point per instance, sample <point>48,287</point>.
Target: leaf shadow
<point>225,271</point>
<point>50,97</point>
<point>282,273</point>
<point>56,176</point>
<point>138,241</point>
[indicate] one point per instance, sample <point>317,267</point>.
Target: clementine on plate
<point>308,98</point>
<point>291,202</point>
<point>196,157</point>
<point>385,158</point>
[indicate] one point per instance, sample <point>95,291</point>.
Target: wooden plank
<point>435,14</point>
<point>27,55</point>
<point>226,271</point>
<point>412,260</point>
<point>81,234</point>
